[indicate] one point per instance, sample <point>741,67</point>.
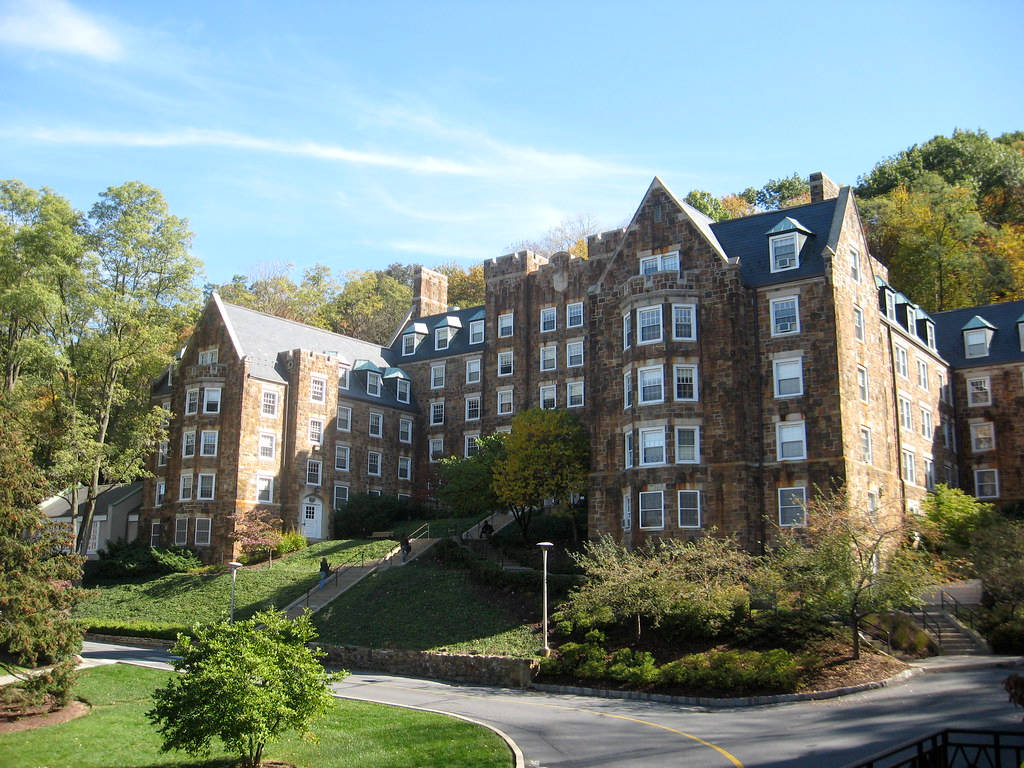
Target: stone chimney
<point>822,188</point>
<point>429,293</point>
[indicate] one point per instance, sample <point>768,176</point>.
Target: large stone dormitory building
<point>724,371</point>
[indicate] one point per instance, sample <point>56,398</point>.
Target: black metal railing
<point>877,632</point>
<point>950,604</point>
<point>954,748</point>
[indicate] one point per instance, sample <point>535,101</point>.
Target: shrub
<point>291,541</point>
<point>136,559</point>
<point>636,668</point>
<point>581,661</point>
<point>787,629</point>
<point>487,573</point>
<point>364,514</point>
<point>738,671</point>
<point>1007,637</point>
<point>153,629</point>
<point>176,559</point>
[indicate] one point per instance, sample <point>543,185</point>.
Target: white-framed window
<point>191,402</point>
<point>402,390</point>
<point>375,492</point>
<point>268,403</point>
<point>929,474</point>
<point>340,495</point>
<point>863,389</point>
<point>161,454</point>
<point>207,487</point>
<point>211,400</point>
<point>265,489</point>
<point>685,377</point>
<point>684,322</point>
<point>574,315</point>
<point>855,265</point>
<point>208,442</point>
<point>906,413</point>
<point>408,344</point>
<point>687,445</point>
<point>627,331</point>
<point>944,390</point>
<point>376,424</point>
<point>979,391</point>
<point>373,463</point>
<point>316,431</point>
<point>790,441</point>
<point>650,382</point>
<point>983,436</point>
<point>986,483</point>
<point>504,402</point>
<point>866,447</point>
<point>549,357</point>
<point>628,448</point>
<point>405,430</point>
<point>927,430</point>
<point>652,509</point>
<point>404,468</point>
<point>473,408</point>
<point>202,531</point>
<point>180,531</point>
<point>160,492</point>
<point>471,444</point>
<point>442,336</point>
<point>505,325</point>
<point>792,507</point>
<point>689,509</point>
<point>437,376</point>
<point>373,383</point>
<point>476,332</point>
<point>94,537</point>
<point>627,389</point>
<point>648,323</point>
<point>548,319</point>
<point>788,377</point>
<point>574,394</point>
<point>627,511</point>
<point>652,446</point>
<point>574,354</point>
<point>436,448</point>
<point>858,322</point>
<point>185,487</point>
<point>314,469</point>
<point>976,343</point>
<point>664,262</point>
<point>154,534</point>
<point>344,372</point>
<point>207,356</point>
<point>317,389</point>
<point>890,304</point>
<point>473,371</point>
<point>909,467</point>
<point>785,314</point>
<point>437,412</point>
<point>344,418</point>
<point>872,505</point>
<point>784,252</point>
<point>922,374</point>
<point>548,396</point>
<point>188,444</point>
<point>342,458</point>
<point>505,363</point>
<point>902,365</point>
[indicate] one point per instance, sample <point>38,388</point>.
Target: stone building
<point>724,370</point>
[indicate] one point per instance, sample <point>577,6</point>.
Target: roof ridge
<point>303,325</point>
<point>977,307</point>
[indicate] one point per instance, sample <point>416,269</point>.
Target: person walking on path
<point>406,547</point>
<point>325,569</point>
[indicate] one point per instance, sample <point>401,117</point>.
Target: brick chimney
<point>822,188</point>
<point>429,293</point>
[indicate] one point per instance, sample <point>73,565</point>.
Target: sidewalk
<point>958,663</point>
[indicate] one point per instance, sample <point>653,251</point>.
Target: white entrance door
<point>312,514</point>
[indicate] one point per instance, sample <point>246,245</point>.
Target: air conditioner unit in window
<point>784,262</point>
<point>783,327</point>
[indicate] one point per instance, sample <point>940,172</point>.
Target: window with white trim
<point>471,444</point>
<point>976,342</point>
<point>408,344</point>
<point>402,390</point>
<point>788,377</point>
<point>574,315</point>
<point>872,505</point>
<point>442,337</point>
<point>436,448</point>
<point>628,449</point>
<point>922,374</point>
<point>790,441</point>
<point>180,531</point>
<point>627,331</point>
<point>207,486</point>
<point>473,371</point>
<point>316,431</point>
<point>154,534</point>
<point>785,314</point>
<point>317,389</point>
<point>866,448</point>
<point>437,376</point>
<point>548,319</point>
<point>376,424</point>
<point>313,471</point>
<point>627,390</point>
<point>344,418</point>
<point>627,511</point>
<point>664,262</point>
<point>784,252</point>
<point>983,436</point>
<point>687,445</point>
<point>340,495</point>
<point>574,354</point>
<point>979,391</point>
<point>685,377</point>
<point>161,454</point>
<point>405,430</point>
<point>652,509</point>
<point>505,360</point>
<point>207,356</point>
<point>929,474</point>
<point>689,509</point>
<point>863,390</point>
<point>373,383</point>
<point>437,412</point>
<point>161,491</point>
<point>373,463</point>
<point>473,408</point>
<point>404,468</point>
<point>265,489</point>
<point>202,531</point>
<point>858,322</point>
<point>890,304</point>
<point>342,458</point>
<point>549,357</point>
<point>344,372</point>
<point>986,483</point>
<point>909,467</point>
<point>208,443</point>
<point>652,446</point>
<point>648,323</point>
<point>476,332</point>
<point>268,403</point>
<point>650,383</point>
<point>505,325</point>
<point>94,538</point>
<point>926,423</point>
<point>548,395</point>
<point>792,507</point>
<point>188,444</point>
<point>191,402</point>
<point>185,487</point>
<point>504,402</point>
<point>855,265</point>
<point>211,400</point>
<point>902,365</point>
<point>574,394</point>
<point>906,413</point>
<point>684,322</point>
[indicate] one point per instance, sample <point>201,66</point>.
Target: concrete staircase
<point>953,636</point>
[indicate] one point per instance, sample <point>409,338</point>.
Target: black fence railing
<point>954,748</point>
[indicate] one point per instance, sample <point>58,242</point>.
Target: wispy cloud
<point>55,25</point>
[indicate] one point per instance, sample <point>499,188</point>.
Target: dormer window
<point>889,300</point>
<point>373,383</point>
<point>977,337</point>
<point>785,240</point>
<point>664,262</point>
<point>408,344</point>
<point>1020,334</point>
<point>442,336</point>
<point>929,332</point>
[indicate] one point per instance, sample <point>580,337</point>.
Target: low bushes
<point>365,514</point>
<point>136,559</point>
<point>153,629</point>
<point>490,574</point>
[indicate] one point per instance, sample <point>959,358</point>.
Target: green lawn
<point>423,606</point>
<point>117,733</point>
<point>187,598</point>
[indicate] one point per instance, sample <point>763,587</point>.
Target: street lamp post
<point>234,566</point>
<point>544,547</point>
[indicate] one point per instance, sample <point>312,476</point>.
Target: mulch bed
<point>28,721</point>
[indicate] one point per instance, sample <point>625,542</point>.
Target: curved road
<point>558,731</point>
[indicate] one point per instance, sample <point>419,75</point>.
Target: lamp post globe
<point>544,547</point>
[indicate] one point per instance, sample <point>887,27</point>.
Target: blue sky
<point>356,134</point>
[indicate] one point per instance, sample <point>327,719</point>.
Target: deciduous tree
<point>467,484</point>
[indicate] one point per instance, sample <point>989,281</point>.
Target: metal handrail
<point>882,630</point>
<point>335,575</point>
<point>952,746</point>
<point>962,612</point>
<point>930,625</point>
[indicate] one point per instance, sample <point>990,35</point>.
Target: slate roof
<point>57,506</point>
<point>747,239</point>
<point>457,345</point>
<point>1005,346</point>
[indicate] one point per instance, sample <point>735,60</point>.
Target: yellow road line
<point>732,759</point>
